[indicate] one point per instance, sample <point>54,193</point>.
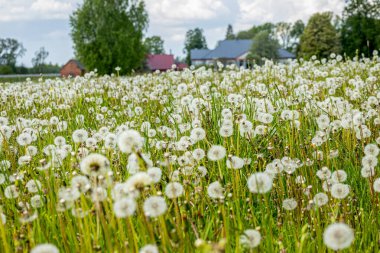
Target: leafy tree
<point>296,32</point>
<point>320,38</point>
<point>264,46</point>
<point>283,31</point>
<point>39,59</point>
<point>10,50</point>
<point>230,33</point>
<point>108,34</point>
<point>154,45</point>
<point>361,27</point>
<point>194,40</point>
<point>249,34</point>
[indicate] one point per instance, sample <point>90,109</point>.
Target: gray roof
<point>199,54</point>
<point>231,49</point>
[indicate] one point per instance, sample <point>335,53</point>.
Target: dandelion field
<point>281,158</point>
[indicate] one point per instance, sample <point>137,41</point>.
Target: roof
<point>79,65</point>
<point>231,49</point>
<point>160,61</point>
<point>199,54</point>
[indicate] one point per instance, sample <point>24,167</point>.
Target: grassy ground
<point>307,126</point>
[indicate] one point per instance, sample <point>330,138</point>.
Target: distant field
<point>23,78</point>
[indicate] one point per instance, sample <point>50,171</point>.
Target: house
<point>230,52</point>
<point>72,68</point>
<point>161,62</point>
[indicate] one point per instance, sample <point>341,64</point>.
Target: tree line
<point>110,34</point>
<point>11,49</point>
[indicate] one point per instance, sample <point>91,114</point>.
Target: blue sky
<point>38,23</point>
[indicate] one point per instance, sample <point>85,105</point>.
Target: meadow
<point>279,158</point>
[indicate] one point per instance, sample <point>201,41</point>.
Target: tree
<point>109,34</point>
<point>360,27</point>
<point>39,59</point>
<point>249,34</point>
<point>154,45</point>
<point>296,32</point>
<point>230,33</point>
<point>10,50</point>
<point>194,40</point>
<point>264,46</point>
<point>283,31</point>
<point>320,38</point>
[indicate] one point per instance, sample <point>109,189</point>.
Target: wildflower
<point>129,141</point>
<point>138,181</point>
<point>154,206</point>
<point>24,139</point>
<point>369,161</point>
<point>124,207</point>
<point>340,191</point>
<point>81,183</point>
<point>215,190</point>
<point>371,150</point>
<point>216,152</point>
<point>324,173</point>
<point>251,238</point>
<point>338,236</point>
<point>198,134</point>
<point>80,136</point>
<point>95,165</point>
<point>235,162</point>
<point>149,248</point>
<point>45,248</point>
<point>260,183</point>
<point>321,199</point>
<point>11,192</point>
<point>36,201</point>
<point>339,176</point>
<point>376,185</point>
<point>155,173</point>
<point>173,190</point>
<point>33,186</point>
<point>289,204</point>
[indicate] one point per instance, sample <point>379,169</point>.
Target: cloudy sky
<point>38,23</point>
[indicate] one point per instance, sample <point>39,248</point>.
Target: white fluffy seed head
<point>260,183</point>
<point>154,206</point>
<point>173,190</point>
<point>338,236</point>
<point>250,238</point>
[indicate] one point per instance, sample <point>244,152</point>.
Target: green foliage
<point>264,46</point>
<point>154,45</point>
<point>194,40</point>
<point>249,34</point>
<point>108,34</point>
<point>361,27</point>
<point>10,50</point>
<point>320,37</point>
<point>296,32</point>
<point>230,33</point>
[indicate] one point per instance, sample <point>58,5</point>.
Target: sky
<point>45,23</point>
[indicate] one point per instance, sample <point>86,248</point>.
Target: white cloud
<point>179,11</point>
<point>16,10</point>
<point>260,11</point>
